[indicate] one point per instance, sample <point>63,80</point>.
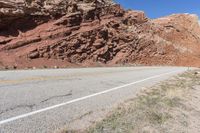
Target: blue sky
<point>159,8</point>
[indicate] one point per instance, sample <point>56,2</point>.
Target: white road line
<point>82,98</point>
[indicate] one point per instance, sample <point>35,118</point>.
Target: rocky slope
<point>48,33</point>
<point>183,32</point>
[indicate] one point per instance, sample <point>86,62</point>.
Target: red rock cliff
<point>45,33</point>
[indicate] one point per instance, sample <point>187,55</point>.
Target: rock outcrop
<point>48,33</point>
<point>183,32</point>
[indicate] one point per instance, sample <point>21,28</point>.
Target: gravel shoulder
<point>171,106</point>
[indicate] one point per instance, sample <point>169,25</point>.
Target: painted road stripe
<point>82,98</point>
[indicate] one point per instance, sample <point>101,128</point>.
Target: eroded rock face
<point>12,10</point>
<point>183,31</point>
<point>73,33</point>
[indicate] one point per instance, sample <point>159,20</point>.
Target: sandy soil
<point>170,107</point>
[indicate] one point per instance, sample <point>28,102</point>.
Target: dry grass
<point>163,108</point>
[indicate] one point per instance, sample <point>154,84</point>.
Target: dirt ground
<point>172,106</point>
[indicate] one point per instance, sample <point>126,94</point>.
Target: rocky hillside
<point>48,33</point>
<point>182,31</point>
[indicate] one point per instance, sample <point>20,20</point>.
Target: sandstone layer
<point>48,33</point>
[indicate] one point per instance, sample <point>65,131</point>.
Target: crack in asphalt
<point>30,106</point>
<point>58,96</point>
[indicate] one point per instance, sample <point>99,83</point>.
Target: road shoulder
<point>174,103</point>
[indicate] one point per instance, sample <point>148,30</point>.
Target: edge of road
<point>85,97</point>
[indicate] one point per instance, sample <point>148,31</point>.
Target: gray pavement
<point>43,101</point>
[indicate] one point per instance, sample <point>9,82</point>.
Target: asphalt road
<point>43,101</point>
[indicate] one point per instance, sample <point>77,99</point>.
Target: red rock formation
<point>183,32</point>
<point>63,34</point>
